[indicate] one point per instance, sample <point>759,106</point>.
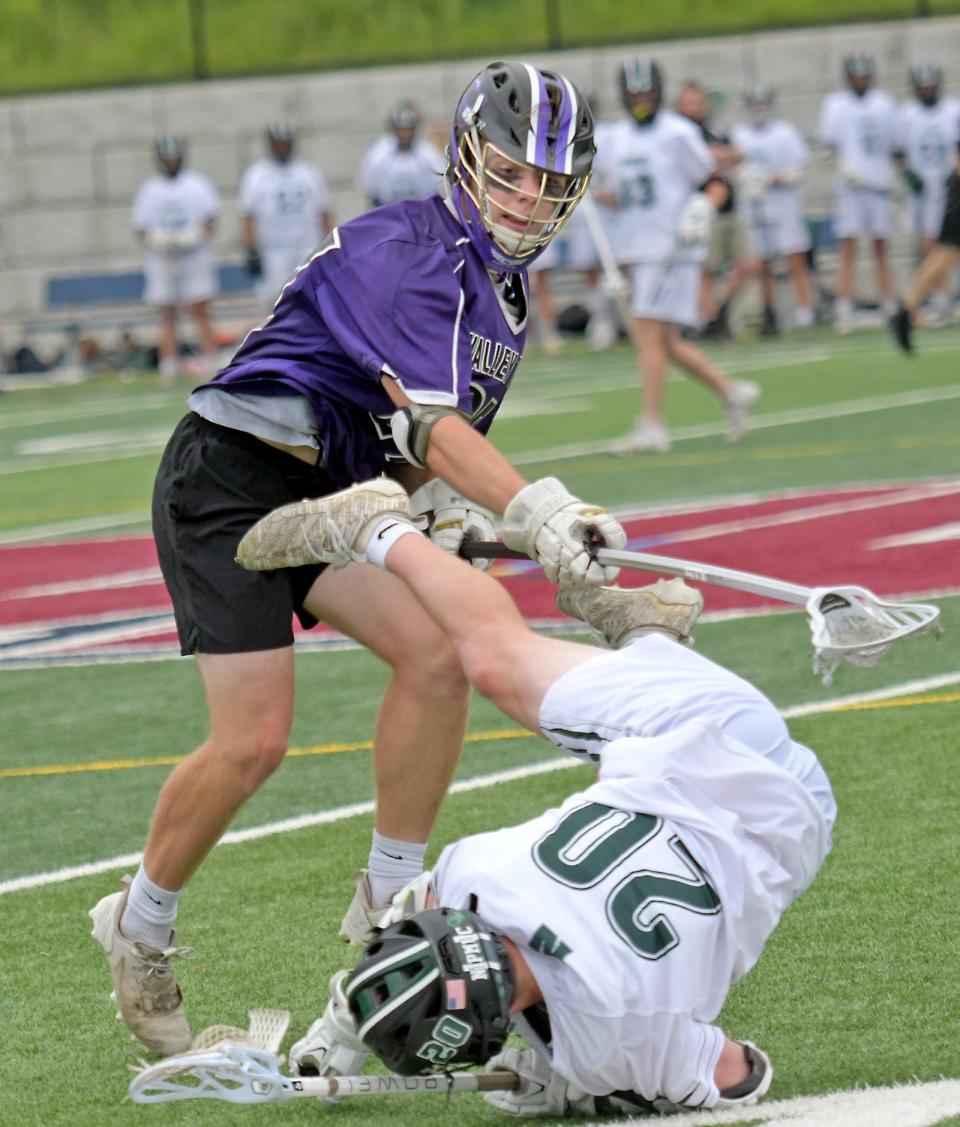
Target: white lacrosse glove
<point>164,241</point>
<point>696,220</point>
<point>553,527</point>
<point>754,181</point>
<point>412,898</point>
<point>452,518</point>
<point>541,1092</point>
<point>851,176</point>
<point>188,238</point>
<point>331,1047</point>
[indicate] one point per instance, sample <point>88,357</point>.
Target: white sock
<point>843,308</point>
<point>392,864</point>
<point>150,912</point>
<point>382,538</point>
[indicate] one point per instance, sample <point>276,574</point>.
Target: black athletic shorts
<point>950,231</point>
<point>212,485</point>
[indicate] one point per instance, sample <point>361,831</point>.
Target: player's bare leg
<point>650,433</point>
<point>843,305</point>
<point>737,396</point>
<point>200,312</point>
<point>884,275</point>
<point>167,344</point>
<point>932,274</point>
<point>802,285</point>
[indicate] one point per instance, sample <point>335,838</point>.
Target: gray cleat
<point>620,614</point>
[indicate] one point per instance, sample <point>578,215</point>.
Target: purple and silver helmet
<point>514,119</point>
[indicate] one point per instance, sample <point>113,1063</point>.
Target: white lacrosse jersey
<point>286,202</point>
<point>175,205</point>
<point>777,147</point>
<point>862,133</point>
<point>389,174</point>
<point>653,170</point>
<point>928,137</point>
<point>639,902</point>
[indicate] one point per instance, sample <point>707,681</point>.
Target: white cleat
<point>646,438</point>
<point>333,529</point>
<point>619,614</point>
<point>144,988</point>
<point>739,403</point>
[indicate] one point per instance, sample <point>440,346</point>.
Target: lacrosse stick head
<point>851,624</point>
<point>231,1071</point>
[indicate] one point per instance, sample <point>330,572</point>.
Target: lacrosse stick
<point>245,1074</point>
<point>846,623</point>
<point>614,283</point>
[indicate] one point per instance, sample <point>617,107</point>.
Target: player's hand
<point>452,518</point>
<point>541,1092</point>
<point>254,263</point>
<point>696,220</point>
<point>331,1047</point>
<point>559,530</point>
<point>850,176</point>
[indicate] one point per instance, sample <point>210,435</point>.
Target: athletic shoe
<point>901,325</point>
<point>362,917</point>
<point>147,994</point>
<point>618,614</point>
<point>743,395</point>
<point>646,438</point>
<point>768,324</point>
<point>333,529</point>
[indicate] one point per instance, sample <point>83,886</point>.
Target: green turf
<point>856,986</point>
<point>68,43</point>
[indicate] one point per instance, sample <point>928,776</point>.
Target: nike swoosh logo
<point>149,897</point>
<point>382,533</point>
<point>394,856</point>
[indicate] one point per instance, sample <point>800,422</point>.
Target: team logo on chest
<point>493,358</point>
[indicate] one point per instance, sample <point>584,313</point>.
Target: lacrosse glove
<point>541,1092</point>
<point>696,220</point>
<point>557,530</point>
<point>452,519</point>
<point>331,1047</point>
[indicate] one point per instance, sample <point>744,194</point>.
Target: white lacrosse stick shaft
<point>616,285</point>
<point>245,1074</point>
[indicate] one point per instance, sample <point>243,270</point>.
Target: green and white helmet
<point>433,991</point>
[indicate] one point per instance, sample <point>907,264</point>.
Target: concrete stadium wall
<point>71,163</point>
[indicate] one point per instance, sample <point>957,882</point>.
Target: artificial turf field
<point>857,987</point>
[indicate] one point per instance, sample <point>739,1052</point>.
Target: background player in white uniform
<point>774,162</point>
<point>173,215</point>
<point>624,916</point>
<point>928,130</point>
<point>400,165</point>
<point>658,172</point>
<point>858,125</point>
<point>285,212</point>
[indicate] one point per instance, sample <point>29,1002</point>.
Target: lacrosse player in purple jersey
<point>608,931</point>
<point>389,352</point>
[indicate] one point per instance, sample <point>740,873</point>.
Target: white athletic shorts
<point>182,279</point>
<point>653,686</point>
<point>861,212</point>
<point>786,233</point>
<point>666,291</point>
<point>279,266</point>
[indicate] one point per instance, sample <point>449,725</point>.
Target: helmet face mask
<point>433,991</point>
<point>926,80</point>
<point>759,102</point>
<point>519,160</point>
<point>859,71</point>
<point>641,89</point>
<point>170,151</point>
<point>280,141</point>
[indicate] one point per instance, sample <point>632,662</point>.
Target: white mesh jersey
<point>639,901</point>
<point>286,202</point>
<point>389,174</point>
<point>653,170</point>
<point>862,133</point>
<point>778,148</point>
<point>928,137</point>
<point>175,205</point>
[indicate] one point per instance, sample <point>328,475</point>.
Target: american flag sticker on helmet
<point>456,994</point>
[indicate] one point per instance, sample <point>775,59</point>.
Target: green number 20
<point>592,840</point>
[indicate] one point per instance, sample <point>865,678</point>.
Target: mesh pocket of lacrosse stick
<point>851,624</point>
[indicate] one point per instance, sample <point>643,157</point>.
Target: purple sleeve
<point>398,307</point>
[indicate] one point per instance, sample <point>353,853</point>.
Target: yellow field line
<point>171,760</point>
<point>900,702</point>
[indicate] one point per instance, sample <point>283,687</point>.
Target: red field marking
<point>824,550</point>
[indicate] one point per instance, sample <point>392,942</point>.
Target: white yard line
<point>480,782</point>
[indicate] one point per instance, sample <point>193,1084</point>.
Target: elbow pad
<point>411,427</point>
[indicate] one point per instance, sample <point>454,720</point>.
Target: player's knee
<point>485,665</point>
<point>433,670</point>
<point>254,757</point>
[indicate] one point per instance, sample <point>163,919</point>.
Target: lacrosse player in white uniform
<point>609,930</point>
<point>285,212</point>
<point>774,162</point>
<point>173,215</point>
<point>658,172</point>
<point>400,165</point>
<point>859,127</point>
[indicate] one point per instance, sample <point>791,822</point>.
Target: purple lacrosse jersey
<point>399,290</point>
